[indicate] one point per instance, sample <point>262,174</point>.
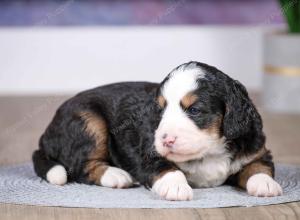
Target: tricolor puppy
<point>198,128</point>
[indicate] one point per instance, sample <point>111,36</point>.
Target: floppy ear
<point>241,116</point>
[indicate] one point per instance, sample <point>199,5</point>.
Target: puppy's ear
<point>241,116</point>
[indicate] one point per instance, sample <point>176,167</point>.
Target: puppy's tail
<point>48,169</point>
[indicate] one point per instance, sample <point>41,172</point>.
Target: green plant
<point>291,11</point>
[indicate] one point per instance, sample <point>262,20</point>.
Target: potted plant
<point>281,90</point>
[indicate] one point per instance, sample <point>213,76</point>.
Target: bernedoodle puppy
<point>198,128</point>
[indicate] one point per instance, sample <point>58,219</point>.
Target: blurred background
<point>51,50</point>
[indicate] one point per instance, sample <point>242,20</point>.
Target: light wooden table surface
<point>23,119</point>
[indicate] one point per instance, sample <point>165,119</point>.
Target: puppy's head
<point>202,109</point>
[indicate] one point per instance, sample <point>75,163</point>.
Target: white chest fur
<point>209,172</point>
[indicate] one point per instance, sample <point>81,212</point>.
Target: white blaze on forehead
<point>181,82</point>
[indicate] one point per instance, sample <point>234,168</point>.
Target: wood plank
<point>282,211</point>
<point>16,212</point>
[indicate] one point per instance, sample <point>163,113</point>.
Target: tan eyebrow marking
<point>189,99</point>
<point>161,101</point>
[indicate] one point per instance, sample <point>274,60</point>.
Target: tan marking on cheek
<point>161,101</point>
<point>189,99</point>
<point>215,127</point>
<point>96,128</point>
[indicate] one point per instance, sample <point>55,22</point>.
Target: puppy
<point>198,128</point>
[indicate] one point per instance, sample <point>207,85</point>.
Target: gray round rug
<point>20,185</point>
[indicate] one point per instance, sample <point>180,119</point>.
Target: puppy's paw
<point>263,185</point>
<point>57,175</point>
<point>173,186</point>
<point>114,177</point>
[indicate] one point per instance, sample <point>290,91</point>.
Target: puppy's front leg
<point>257,178</point>
<point>172,185</point>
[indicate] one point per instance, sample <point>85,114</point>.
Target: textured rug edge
<point>171,205</point>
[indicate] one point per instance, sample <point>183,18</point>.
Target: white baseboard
<point>68,60</point>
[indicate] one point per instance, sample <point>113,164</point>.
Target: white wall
<point>67,60</point>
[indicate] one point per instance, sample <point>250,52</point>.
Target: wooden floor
<point>23,119</point>
<point>17,212</point>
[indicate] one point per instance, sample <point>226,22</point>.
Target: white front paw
<point>173,186</point>
<point>116,178</point>
<point>263,185</point>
